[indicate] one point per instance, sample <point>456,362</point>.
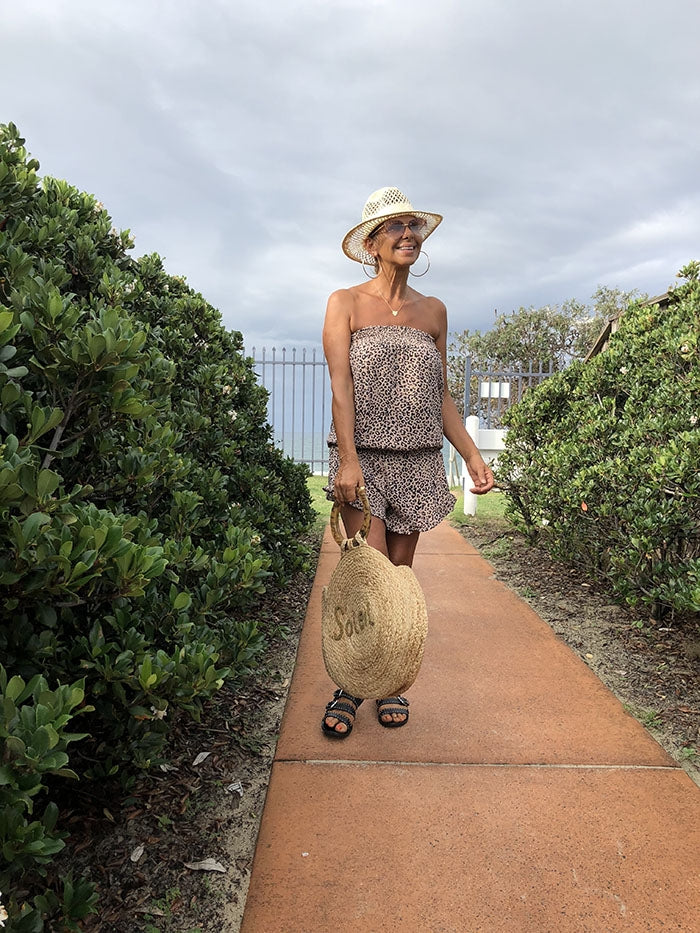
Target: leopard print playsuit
<point>398,385</point>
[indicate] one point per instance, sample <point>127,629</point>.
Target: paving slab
<point>439,849</point>
<point>547,810</point>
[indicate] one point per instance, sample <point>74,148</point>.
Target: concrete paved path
<point>520,797</point>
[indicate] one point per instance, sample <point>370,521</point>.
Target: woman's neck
<point>392,283</point>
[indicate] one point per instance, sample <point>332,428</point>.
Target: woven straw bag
<point>374,618</point>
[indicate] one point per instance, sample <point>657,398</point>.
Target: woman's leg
<point>352,520</point>
<point>397,547</point>
<point>401,548</point>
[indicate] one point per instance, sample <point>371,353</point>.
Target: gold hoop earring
<point>370,275</point>
<point>418,275</point>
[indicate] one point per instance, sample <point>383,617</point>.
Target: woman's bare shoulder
<point>343,302</point>
<point>339,313</point>
<point>341,299</point>
<point>351,293</point>
<point>436,309</point>
<point>435,304</point>
<point>433,314</point>
<point>429,302</point>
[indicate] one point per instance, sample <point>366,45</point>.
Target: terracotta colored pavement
<point>520,797</point>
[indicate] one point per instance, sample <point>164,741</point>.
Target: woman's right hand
<point>347,480</point>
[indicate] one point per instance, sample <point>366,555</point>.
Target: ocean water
<point>308,448</point>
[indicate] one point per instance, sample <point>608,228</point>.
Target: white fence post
<point>472,425</point>
<point>490,442</point>
<point>454,476</point>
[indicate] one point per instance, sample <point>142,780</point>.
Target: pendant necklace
<point>389,306</point>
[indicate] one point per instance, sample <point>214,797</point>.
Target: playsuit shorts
<point>407,489</point>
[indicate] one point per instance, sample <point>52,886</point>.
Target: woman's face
<point>398,240</point>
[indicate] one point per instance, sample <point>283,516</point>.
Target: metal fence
<point>299,403</point>
<point>488,392</point>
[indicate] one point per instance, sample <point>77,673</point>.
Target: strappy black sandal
<point>390,706</point>
<point>337,708</point>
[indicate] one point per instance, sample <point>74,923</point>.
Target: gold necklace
<point>386,302</point>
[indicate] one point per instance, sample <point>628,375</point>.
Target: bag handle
<point>367,521</point>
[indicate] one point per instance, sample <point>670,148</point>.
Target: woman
<point>386,347</point>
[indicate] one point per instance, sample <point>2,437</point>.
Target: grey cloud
<point>240,141</point>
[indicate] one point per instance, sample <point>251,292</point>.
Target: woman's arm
<point>336,346</point>
<point>453,426</point>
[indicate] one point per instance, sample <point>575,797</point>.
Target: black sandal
<point>388,707</point>
<point>337,709</point>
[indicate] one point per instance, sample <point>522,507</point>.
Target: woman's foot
<point>340,715</point>
<point>392,712</point>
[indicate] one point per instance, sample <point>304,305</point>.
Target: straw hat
<point>380,206</point>
<point>374,619</point>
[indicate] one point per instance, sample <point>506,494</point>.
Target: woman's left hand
<point>481,474</point>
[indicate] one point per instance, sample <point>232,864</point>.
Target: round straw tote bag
<point>374,618</point>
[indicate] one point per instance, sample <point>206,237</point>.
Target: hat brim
<point>353,242</point>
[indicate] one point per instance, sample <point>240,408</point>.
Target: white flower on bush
<point>233,414</point>
<point>159,713</point>
<point>624,370</point>
<point>226,390</point>
<point>3,913</point>
<point>693,419</point>
<point>685,348</point>
<point>255,539</point>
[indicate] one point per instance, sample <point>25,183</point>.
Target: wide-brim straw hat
<point>382,205</point>
<point>374,620</point>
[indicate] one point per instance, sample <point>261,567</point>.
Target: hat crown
<point>385,201</point>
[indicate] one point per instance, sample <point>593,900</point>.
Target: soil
<point>139,851</point>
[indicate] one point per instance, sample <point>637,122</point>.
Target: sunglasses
<point>396,227</point>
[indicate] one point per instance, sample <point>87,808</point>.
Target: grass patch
<point>650,718</point>
<point>500,548</point>
<point>319,503</point>
<point>490,506</point>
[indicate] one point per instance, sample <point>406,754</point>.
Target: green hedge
<point>602,461</point>
<point>143,507</point>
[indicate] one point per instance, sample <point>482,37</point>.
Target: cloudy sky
<point>560,139</point>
